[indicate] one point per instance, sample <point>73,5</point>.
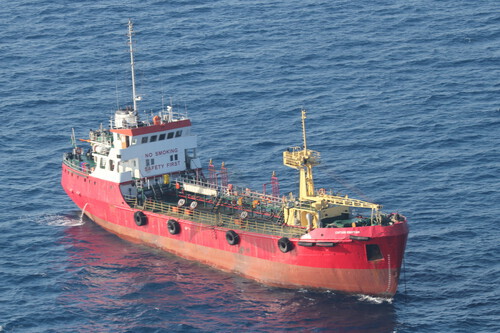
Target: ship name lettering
<point>348,232</point>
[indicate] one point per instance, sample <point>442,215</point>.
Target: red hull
<point>344,267</point>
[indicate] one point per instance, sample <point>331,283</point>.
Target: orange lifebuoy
<point>156,120</point>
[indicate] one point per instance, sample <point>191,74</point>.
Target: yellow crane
<point>317,204</point>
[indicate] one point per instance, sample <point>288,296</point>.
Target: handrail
<point>216,219</point>
<point>346,201</point>
<point>101,137</point>
<point>234,191</point>
<point>78,167</point>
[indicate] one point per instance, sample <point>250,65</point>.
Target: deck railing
<point>233,190</point>
<point>84,166</point>
<point>216,218</point>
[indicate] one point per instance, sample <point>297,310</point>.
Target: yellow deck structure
<point>311,206</point>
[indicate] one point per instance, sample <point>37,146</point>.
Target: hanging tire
<point>140,218</point>
<point>232,237</point>
<point>173,227</point>
<point>285,244</point>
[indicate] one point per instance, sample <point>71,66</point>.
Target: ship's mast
<point>303,160</point>
<point>304,128</point>
<point>135,98</point>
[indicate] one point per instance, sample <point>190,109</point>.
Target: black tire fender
<point>232,237</point>
<point>140,218</point>
<point>285,245</point>
<point>173,227</point>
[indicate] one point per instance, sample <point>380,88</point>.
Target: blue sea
<point>403,101</point>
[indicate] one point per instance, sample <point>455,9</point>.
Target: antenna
<point>162,97</point>
<point>170,111</point>
<point>135,98</point>
<point>116,93</point>
<point>73,138</point>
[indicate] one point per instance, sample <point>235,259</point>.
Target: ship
<point>143,180</point>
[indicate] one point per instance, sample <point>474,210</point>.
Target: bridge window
<point>170,135</point>
<point>178,133</point>
<point>153,138</point>
<point>162,137</point>
<point>144,139</point>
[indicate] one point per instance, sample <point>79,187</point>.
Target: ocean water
<point>403,103</point>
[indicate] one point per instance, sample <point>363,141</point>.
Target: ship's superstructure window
<point>373,252</point>
<point>174,157</point>
<point>102,163</point>
<point>144,139</point>
<point>150,161</point>
<point>133,142</point>
<point>170,135</point>
<point>191,153</point>
<point>111,165</point>
<point>162,137</point>
<point>153,138</point>
<point>178,134</point>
